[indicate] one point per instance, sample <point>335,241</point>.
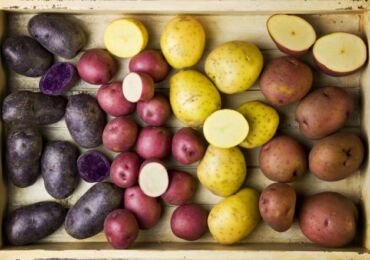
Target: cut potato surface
<point>291,33</point>
<point>137,87</point>
<point>340,53</point>
<point>225,128</point>
<point>125,37</point>
<point>153,179</point>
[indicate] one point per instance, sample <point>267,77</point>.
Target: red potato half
<point>124,170</point>
<point>155,111</point>
<point>181,188</point>
<point>153,178</point>
<point>138,86</point>
<point>120,134</point>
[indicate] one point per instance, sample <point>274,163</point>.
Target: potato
<point>147,210</point>
<point>277,206</point>
<point>26,56</point>
<point>29,224</point>
<point>263,122</point>
<point>154,143</point>
<point>336,157</point>
<point>23,153</point>
<point>222,171</point>
<point>121,228</point>
<point>323,112</point>
<point>120,134</point>
<point>86,217</point>
<point>283,159</point>
<point>285,80</point>
<point>85,120</point>
<point>234,66</point>
<point>182,41</point>
<point>234,218</point>
<point>124,170</point>
<point>189,222</point>
<point>93,166</point>
<point>30,108</point>
<point>155,111</point>
<point>153,178</point>
<point>59,168</point>
<point>58,34</point>
<point>193,97</point>
<point>181,188</point>
<point>328,219</point>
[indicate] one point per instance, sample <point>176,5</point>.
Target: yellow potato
<point>222,170</point>
<point>234,66</point>
<point>182,42</point>
<point>225,128</point>
<point>193,97</point>
<point>263,122</point>
<point>125,37</point>
<point>235,217</point>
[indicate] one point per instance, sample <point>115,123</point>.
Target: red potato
<point>150,62</point>
<point>189,222</point>
<point>187,146</point>
<point>138,87</point>
<point>181,188</point>
<point>120,134</point>
<point>112,101</point>
<point>147,210</point>
<point>153,178</point>
<point>155,111</point>
<point>121,228</point>
<point>154,143</point>
<point>124,170</point>
<point>96,66</point>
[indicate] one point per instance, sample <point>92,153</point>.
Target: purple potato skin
<point>23,153</point>
<point>86,217</point>
<point>30,223</point>
<point>59,168</point>
<point>155,111</point>
<point>85,120</point>
<point>58,34</point>
<point>154,143</point>
<point>29,108</point>
<point>58,79</point>
<point>26,56</point>
<point>93,166</point>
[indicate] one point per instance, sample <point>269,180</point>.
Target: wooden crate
<point>223,21</point>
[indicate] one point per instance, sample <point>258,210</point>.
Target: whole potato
<point>154,143</point>
<point>336,157</point>
<point>85,120</point>
<point>285,80</point>
<point>58,34</point>
<point>59,168</point>
<point>30,108</point>
<point>277,206</point>
<point>120,134</point>
<point>86,217</point>
<point>125,168</point>
<point>154,112</point>
<point>181,188</point>
<point>323,112</point>
<point>29,224</point>
<point>283,159</point>
<point>23,152</point>
<point>328,219</point>
<point>26,56</point>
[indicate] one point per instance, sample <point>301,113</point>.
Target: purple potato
<point>93,166</point>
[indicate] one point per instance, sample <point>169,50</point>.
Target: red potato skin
<point>154,143</point>
<point>124,170</point>
<point>147,210</point>
<point>181,188</point>
<point>96,66</point>
<point>154,112</point>
<point>120,134</point>
<point>121,228</point>
<point>112,101</point>
<point>288,51</point>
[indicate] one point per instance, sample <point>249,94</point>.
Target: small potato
<point>120,134</point>
<point>323,112</point>
<point>277,206</point>
<point>283,159</point>
<point>328,219</point>
<point>336,157</point>
<point>59,168</point>
<point>23,153</point>
<point>93,166</point>
<point>154,143</point>
<point>29,224</point>
<point>155,111</point>
<point>125,168</point>
<point>181,188</point>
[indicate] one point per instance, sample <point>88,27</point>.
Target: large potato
<point>263,122</point>
<point>193,97</point>
<point>336,156</point>
<point>328,219</point>
<point>182,42</point>
<point>235,217</point>
<point>222,171</point>
<point>323,112</point>
<point>234,66</point>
